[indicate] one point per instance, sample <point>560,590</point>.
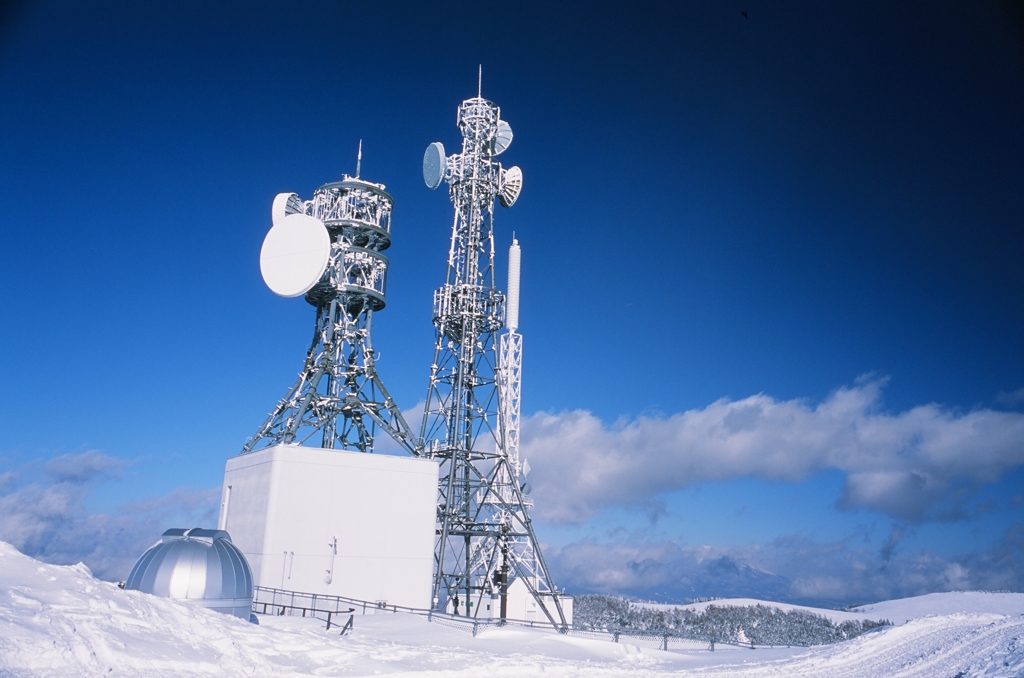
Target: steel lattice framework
<point>338,392</point>
<point>470,421</point>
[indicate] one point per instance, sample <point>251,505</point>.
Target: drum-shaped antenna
<point>502,137</point>
<point>433,165</point>
<point>511,184</point>
<point>285,204</point>
<point>295,255</point>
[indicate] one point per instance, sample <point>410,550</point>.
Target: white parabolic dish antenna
<point>295,255</point>
<point>433,165</point>
<point>511,184</point>
<point>502,137</point>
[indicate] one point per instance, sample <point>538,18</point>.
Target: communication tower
<point>329,248</point>
<point>471,417</point>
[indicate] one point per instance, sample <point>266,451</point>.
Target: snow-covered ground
<point>61,621</point>
<point>970,602</point>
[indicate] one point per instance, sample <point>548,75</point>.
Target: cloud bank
<point>789,569</point>
<point>919,464</point>
<point>48,519</point>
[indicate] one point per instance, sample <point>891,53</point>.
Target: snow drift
<point>61,621</point>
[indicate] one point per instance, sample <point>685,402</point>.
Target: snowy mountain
<point>723,576</point>
<point>62,621</point>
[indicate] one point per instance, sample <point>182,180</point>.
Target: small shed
<point>523,606</point>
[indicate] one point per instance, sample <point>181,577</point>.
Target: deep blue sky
<point>713,207</point>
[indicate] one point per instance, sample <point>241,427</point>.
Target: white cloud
<point>48,519</point>
<point>788,569</point>
<point>1012,398</point>
<point>83,467</point>
<point>910,465</point>
<point>385,444</point>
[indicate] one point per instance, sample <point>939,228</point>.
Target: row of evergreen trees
<point>754,625</point>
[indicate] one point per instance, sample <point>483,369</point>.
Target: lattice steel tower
<point>484,524</point>
<point>329,248</point>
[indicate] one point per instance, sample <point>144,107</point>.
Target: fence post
<point>664,645</point>
<point>616,636</point>
<point>474,629</point>
<point>328,621</point>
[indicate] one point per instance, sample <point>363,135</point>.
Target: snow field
<point>61,621</point>
<point>976,602</point>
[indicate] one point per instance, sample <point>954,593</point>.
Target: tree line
<point>753,624</point>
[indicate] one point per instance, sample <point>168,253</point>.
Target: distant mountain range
<point>721,577</point>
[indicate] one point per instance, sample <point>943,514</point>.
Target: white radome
<point>295,255</point>
<point>512,303</point>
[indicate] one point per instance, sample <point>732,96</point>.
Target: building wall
<point>523,606</point>
<point>286,507</point>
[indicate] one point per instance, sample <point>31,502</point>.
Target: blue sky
<point>732,229</point>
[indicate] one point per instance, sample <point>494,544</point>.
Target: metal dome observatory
<point>201,567</point>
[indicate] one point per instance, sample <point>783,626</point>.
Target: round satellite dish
<point>502,137</point>
<point>433,165</point>
<point>295,255</point>
<point>511,184</point>
<point>285,204</point>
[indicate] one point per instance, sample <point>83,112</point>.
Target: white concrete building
<point>521,605</point>
<point>334,522</point>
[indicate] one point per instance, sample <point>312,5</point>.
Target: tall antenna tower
<point>329,249</point>
<point>470,420</point>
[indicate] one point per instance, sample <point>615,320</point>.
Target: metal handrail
<point>312,609</point>
<point>323,602</point>
<point>271,598</point>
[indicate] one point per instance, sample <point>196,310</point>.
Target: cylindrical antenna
<point>359,157</point>
<point>479,79</point>
<point>512,310</point>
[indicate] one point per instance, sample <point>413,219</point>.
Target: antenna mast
<point>471,416</point>
<point>338,392</point>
